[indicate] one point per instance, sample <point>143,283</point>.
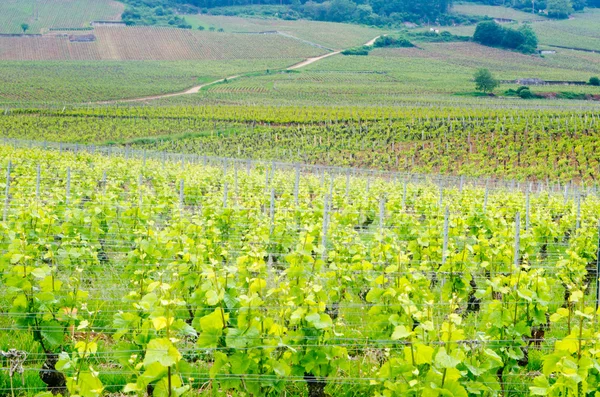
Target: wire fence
<point>426,209</point>
<point>571,189</point>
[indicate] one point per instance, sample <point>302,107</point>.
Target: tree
<point>341,10</point>
<point>489,33</point>
<point>559,9</point>
<point>513,39</point>
<point>531,40</point>
<point>595,81</point>
<point>485,81</point>
<point>579,5</point>
<point>24,27</point>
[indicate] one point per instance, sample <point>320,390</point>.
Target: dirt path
<point>196,89</point>
<point>193,90</point>
<point>308,61</point>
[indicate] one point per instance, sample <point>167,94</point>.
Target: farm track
<point>196,89</point>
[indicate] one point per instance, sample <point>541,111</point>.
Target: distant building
<point>108,23</point>
<point>531,81</point>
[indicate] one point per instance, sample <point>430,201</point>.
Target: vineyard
<point>61,82</point>
<point>580,32</point>
<point>179,275</point>
<point>350,226</point>
<point>328,34</point>
<point>434,73</point>
<point>535,145</point>
<point>42,15</point>
<point>155,44</point>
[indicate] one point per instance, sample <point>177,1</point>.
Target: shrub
<point>571,95</point>
<point>526,93</point>
<point>390,41</point>
<point>595,81</point>
<point>443,37</point>
<point>364,50</point>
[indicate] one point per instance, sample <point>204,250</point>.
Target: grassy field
<point>582,31</point>
<point>495,12</point>
<point>84,81</point>
<point>328,34</point>
<point>44,14</point>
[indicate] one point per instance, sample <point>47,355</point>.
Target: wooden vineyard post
<point>445,241</point>
<point>104,182</point>
<point>347,184</point>
<point>325,226</point>
<point>140,192</point>
<point>404,196</point>
<point>235,181</point>
<point>517,239</point>
<point>266,180</point>
<point>181,196</point>
<point>444,246</point>
<point>381,213</point>
<point>7,191</point>
<point>225,187</point>
<point>485,198</point>
<point>527,210</point>
<point>37,182</point>
<point>598,271</point>
<point>272,212</point>
<point>68,190</point>
<point>297,184</point>
<point>578,222</point>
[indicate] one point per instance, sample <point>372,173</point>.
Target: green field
<point>87,81</point>
<point>495,12</point>
<point>41,15</point>
<point>433,73</point>
<point>328,34</point>
<point>581,31</point>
